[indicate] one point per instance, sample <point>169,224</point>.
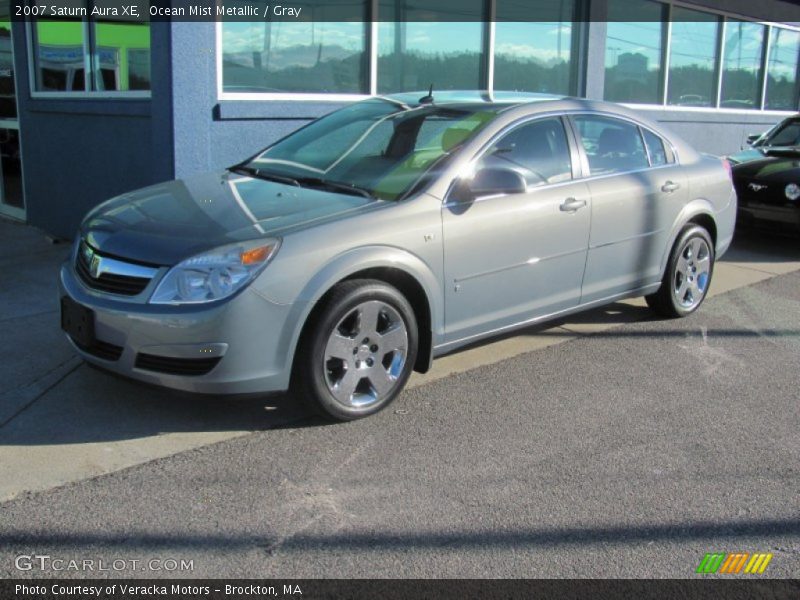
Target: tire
<point>688,274</point>
<point>357,350</point>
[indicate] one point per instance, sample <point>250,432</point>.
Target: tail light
<point>727,164</point>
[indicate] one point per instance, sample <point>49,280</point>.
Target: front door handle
<point>670,187</point>
<point>572,204</point>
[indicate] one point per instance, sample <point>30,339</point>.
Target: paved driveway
<point>612,444</point>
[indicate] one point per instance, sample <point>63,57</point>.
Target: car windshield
<point>378,148</point>
<point>786,134</point>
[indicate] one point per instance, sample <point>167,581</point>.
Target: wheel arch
<point>698,212</point>
<point>395,267</point>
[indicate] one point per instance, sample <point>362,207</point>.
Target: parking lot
<point>610,444</point>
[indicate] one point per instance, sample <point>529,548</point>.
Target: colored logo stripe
<point>733,563</point>
<point>758,564</point>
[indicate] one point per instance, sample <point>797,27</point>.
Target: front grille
<point>101,349</point>
<point>176,366</point>
<point>111,283</point>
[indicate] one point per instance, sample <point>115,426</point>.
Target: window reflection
<point>741,65</point>
<point>782,69</point>
<point>8,104</point>
<point>315,56</point>
<point>418,47</point>
<point>59,56</point>
<point>123,53</point>
<point>692,58</point>
<point>120,59</point>
<point>633,51</point>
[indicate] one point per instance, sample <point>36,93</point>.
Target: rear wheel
<point>357,351</point>
<point>688,274</point>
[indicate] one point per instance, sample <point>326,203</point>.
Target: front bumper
<point>246,341</point>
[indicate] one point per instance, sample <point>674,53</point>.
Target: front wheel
<point>688,274</point>
<point>357,351</point>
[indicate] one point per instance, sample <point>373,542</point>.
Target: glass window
<point>633,51</point>
<point>782,69</point>
<point>611,145</point>
<point>61,54</point>
<point>786,134</point>
<point>418,46</point>
<point>692,58</point>
<point>116,43</point>
<point>533,46</point>
<point>656,149</point>
<point>741,65</point>
<point>8,104</point>
<point>375,146</point>
<point>539,151</point>
<point>320,56</point>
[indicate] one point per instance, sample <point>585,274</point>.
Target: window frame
<point>578,46</point>
<point>89,73</point>
<point>725,17</point>
<point>610,117</point>
<point>574,157</point>
<point>668,145</point>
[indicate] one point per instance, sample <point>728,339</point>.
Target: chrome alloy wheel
<point>365,354</point>
<point>692,273</point>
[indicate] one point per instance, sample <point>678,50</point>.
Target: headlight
<point>792,191</point>
<point>215,274</point>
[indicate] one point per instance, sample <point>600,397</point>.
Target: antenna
<point>429,98</point>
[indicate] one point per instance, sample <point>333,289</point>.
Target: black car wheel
<point>688,274</point>
<point>357,351</point>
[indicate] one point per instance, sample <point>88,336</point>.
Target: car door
<point>512,257</point>
<point>637,191</point>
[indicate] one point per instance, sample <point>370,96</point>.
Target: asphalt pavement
<point>626,451</point>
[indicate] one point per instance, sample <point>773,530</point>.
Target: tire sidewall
<point>689,233</point>
<point>319,335</point>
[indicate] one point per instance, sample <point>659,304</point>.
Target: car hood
<point>166,223</point>
<point>769,168</point>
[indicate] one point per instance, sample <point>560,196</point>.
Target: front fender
<point>353,261</point>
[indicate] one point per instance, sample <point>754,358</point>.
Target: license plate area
<point>77,321</point>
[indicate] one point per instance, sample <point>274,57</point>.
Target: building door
<point>12,202</point>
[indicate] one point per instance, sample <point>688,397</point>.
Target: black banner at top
<point>780,11</point>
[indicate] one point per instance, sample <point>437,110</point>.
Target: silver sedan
<point>392,231</point>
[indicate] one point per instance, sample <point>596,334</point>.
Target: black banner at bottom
<point>407,589</point>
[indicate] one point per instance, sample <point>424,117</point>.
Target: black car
<point>767,177</point>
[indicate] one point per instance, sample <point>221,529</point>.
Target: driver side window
<point>538,151</point>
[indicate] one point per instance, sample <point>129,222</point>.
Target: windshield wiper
<point>312,182</point>
<point>259,174</point>
<point>336,186</point>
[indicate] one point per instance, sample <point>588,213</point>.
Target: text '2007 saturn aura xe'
<point>394,230</point>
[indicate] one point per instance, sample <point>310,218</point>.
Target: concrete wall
<point>77,153</point>
<point>211,134</point>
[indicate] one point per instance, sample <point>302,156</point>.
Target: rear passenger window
<point>611,145</point>
<point>539,151</point>
<point>655,148</point>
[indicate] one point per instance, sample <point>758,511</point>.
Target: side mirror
<point>493,181</point>
<point>752,138</point>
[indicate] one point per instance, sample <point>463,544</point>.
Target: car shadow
<point>90,405</point>
<point>753,244</point>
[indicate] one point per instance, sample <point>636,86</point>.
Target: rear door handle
<point>572,204</point>
<point>670,187</point>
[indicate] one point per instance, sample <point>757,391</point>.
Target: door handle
<point>572,204</point>
<point>670,187</point>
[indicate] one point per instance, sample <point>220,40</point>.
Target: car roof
<point>462,98</point>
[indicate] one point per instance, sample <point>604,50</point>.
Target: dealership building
<point>92,110</point>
